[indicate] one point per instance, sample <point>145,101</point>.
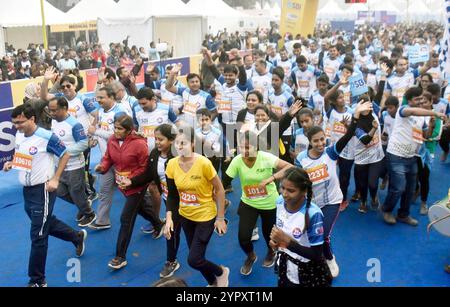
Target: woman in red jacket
<point>128,153</point>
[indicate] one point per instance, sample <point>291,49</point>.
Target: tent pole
<point>44,26</point>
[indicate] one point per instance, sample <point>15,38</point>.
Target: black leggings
<point>198,235</point>
<point>445,140</point>
<point>367,176</point>
<point>174,243</point>
<point>134,205</point>
<point>423,179</point>
<point>247,222</point>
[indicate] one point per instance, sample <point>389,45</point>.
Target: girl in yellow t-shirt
<point>193,184</point>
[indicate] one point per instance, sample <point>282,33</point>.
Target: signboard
<point>358,86</point>
<point>418,54</point>
<point>298,17</point>
<point>84,26</point>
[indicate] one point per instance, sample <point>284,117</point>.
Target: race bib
<point>188,199</point>
<point>224,105</point>
<point>149,131</point>
<point>120,176</point>
<point>22,162</point>
<point>339,128</point>
<point>303,83</point>
<point>190,108</point>
<point>417,135</point>
<point>277,110</point>
<point>72,112</point>
<point>104,126</point>
<point>255,192</point>
<point>318,174</point>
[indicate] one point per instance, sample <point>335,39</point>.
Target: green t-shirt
<point>252,177</point>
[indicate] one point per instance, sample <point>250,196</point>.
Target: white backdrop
<point>185,34</point>
<point>116,30</point>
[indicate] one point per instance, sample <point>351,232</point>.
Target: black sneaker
<point>356,197</point>
<point>117,263</point>
<point>169,269</point>
<point>79,217</point>
<point>93,197</point>
<point>37,285</point>
<point>269,261</point>
<point>363,208</point>
<point>247,268</point>
<point>87,220</point>
<point>82,235</point>
<point>375,205</point>
<point>95,226</point>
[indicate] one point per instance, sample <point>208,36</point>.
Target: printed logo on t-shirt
<point>195,177</point>
<point>319,230</point>
<point>297,233</point>
<point>33,150</point>
<point>160,120</point>
<point>62,133</point>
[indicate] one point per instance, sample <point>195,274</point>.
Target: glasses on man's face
<point>67,86</point>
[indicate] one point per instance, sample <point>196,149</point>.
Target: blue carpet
<point>408,256</point>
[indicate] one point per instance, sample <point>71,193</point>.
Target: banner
<point>84,26</point>
<point>298,17</point>
<point>7,137</point>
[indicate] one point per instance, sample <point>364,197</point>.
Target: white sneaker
<point>222,280</point>
<point>255,234</point>
<point>334,268</point>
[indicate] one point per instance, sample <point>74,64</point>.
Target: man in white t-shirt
<point>409,132</point>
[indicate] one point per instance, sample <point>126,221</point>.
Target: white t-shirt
<point>262,84</point>
<point>336,130</point>
<point>372,152</point>
<point>293,224</point>
<point>407,138</point>
<point>162,176</point>
<point>70,132</point>
<point>34,156</point>
<point>323,174</point>
<point>147,122</point>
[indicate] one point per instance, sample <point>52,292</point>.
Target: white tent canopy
<point>26,13</point>
<point>417,11</point>
<point>331,10</point>
<point>89,10</point>
<point>148,8</point>
<point>214,8</point>
<point>145,21</point>
<point>382,5</point>
<point>219,15</point>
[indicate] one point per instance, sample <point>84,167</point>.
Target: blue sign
<point>357,85</point>
<point>418,54</point>
<point>7,138</point>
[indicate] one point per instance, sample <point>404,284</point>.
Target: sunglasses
<point>67,86</point>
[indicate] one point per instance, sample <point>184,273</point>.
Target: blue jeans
<point>402,183</point>
<point>330,215</point>
<point>39,207</point>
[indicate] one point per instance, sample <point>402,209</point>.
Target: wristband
<point>220,218</point>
